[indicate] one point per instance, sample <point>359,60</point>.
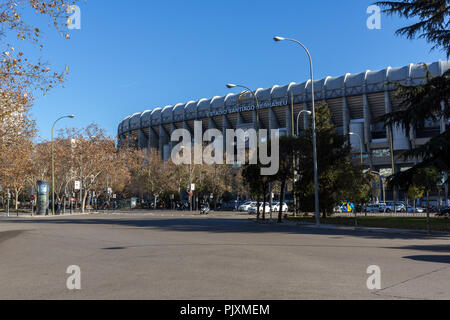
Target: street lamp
<point>360,144</point>
<point>190,178</point>
<point>231,86</point>
<point>298,118</point>
<point>381,182</point>
<point>316,170</point>
<point>53,162</point>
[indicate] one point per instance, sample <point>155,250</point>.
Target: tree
<point>16,166</point>
<point>257,184</point>
<point>433,16</point>
<point>429,100</point>
<point>92,155</point>
<point>428,178</point>
<point>415,192</point>
<point>288,146</point>
<point>333,155</point>
<point>17,72</point>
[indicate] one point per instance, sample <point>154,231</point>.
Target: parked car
<point>445,212</point>
<point>246,205</point>
<point>347,207</point>
<point>337,210</point>
<point>388,207</point>
<point>226,207</point>
<point>373,208</point>
<point>253,209</point>
<point>417,210</point>
<point>276,207</point>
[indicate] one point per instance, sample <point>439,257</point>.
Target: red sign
<point>32,198</point>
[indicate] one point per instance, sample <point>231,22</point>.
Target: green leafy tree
<point>419,104</point>
<point>415,192</point>
<point>288,146</point>
<point>333,160</point>
<point>433,20</point>
<point>429,100</point>
<point>428,179</point>
<point>258,185</point>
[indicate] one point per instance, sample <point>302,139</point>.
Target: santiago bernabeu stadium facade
<point>356,102</point>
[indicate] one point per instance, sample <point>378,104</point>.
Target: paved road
<point>161,256</point>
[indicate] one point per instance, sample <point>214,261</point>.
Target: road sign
<point>32,197</point>
<point>77,185</point>
<point>192,187</point>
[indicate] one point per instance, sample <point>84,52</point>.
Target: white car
<point>276,207</point>
<point>245,206</point>
<point>253,210</point>
<point>418,210</point>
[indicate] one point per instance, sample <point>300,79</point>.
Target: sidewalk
<point>369,229</point>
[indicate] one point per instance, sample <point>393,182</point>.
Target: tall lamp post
<point>231,86</point>
<point>381,183</point>
<point>295,162</point>
<point>360,144</point>
<point>298,119</point>
<point>53,162</point>
<point>190,179</point>
<point>316,169</point>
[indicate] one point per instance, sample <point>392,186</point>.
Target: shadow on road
<point>6,235</point>
<point>215,225</point>
<point>430,248</point>
<point>434,259</point>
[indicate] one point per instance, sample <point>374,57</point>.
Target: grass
<point>408,223</point>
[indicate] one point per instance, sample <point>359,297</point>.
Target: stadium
<point>356,102</point>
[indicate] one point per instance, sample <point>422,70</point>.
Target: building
<point>356,102</point>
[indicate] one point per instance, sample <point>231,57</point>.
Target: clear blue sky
<point>135,55</point>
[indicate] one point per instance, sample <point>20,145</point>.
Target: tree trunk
<point>83,202</point>
<point>428,212</point>
<point>264,205</point>
<point>17,200</point>
<point>407,205</point>
<point>257,207</point>
<point>282,195</point>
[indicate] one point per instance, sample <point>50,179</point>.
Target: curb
<point>374,230</point>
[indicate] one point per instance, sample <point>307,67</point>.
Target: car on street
<point>373,208</point>
<point>246,205</point>
<point>388,207</point>
<point>347,207</point>
<point>253,209</point>
<point>445,212</point>
<point>276,207</point>
<point>416,210</point>
<point>226,207</point>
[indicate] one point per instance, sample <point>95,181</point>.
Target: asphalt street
<point>169,256</point>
